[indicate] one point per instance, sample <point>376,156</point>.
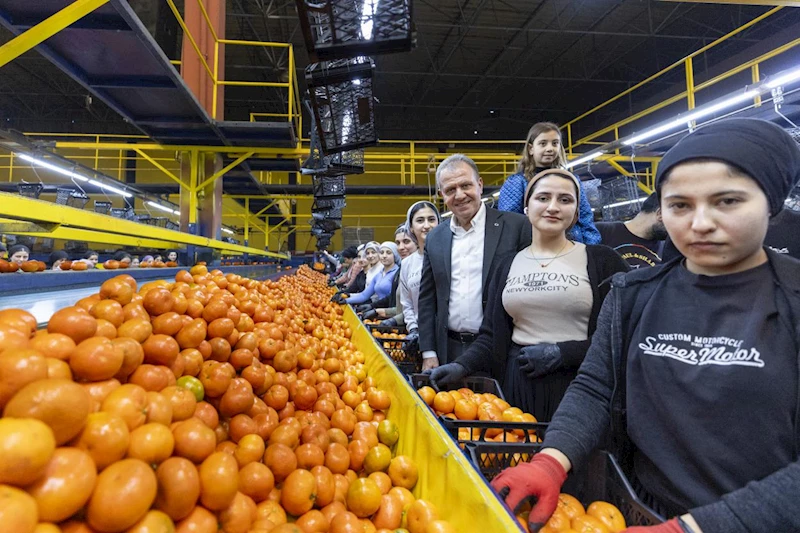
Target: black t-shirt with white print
<point>711,386</point>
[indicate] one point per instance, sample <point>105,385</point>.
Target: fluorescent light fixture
<point>447,214</point>
<point>226,230</point>
<point>484,199</point>
<point>584,159</point>
<point>694,115</point>
<point>496,194</point>
<point>110,188</point>
<point>626,202</point>
<point>54,168</point>
<point>792,75</point>
<point>162,207</point>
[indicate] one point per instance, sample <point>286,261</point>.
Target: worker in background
<point>640,241</point>
<point>783,234</point>
<point>91,258</point>
<point>458,258</point>
<point>421,218</point>
<point>134,261</point>
<point>56,258</point>
<point>19,253</point>
<point>349,255</point>
<point>3,251</point>
<point>172,256</point>
<point>389,307</point>
<point>373,267</point>
<point>686,350</point>
<point>543,304</point>
<point>544,149</point>
<point>381,285</point>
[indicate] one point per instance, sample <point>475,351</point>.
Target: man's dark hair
<point>651,204</point>
<point>350,252</point>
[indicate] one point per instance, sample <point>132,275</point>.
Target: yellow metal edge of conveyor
<point>446,478</point>
<point>77,234</point>
<point>21,208</point>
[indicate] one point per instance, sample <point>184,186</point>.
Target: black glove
<point>411,343</point>
<point>539,360</point>
<point>338,298</point>
<point>445,375</point>
<point>363,307</point>
<point>389,322</point>
<point>372,313</point>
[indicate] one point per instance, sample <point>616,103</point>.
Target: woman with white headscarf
<point>372,254</point>
<point>421,218</point>
<point>381,284</point>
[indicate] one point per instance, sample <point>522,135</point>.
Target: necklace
<point>559,254</point>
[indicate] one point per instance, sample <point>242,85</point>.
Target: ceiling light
<point>694,115</point>
<point>484,199</point>
<point>627,202</point>
<point>496,194</point>
<point>54,168</point>
<point>163,207</point>
<point>110,188</point>
<point>584,159</point>
<point>226,230</point>
<point>447,214</point>
<point>792,75</point>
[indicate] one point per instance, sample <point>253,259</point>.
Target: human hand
<point>540,478</point>
<point>445,375</point>
<point>430,363</point>
<point>539,360</point>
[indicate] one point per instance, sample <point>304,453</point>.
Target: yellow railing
<point>293,113</point>
<point>689,94</point>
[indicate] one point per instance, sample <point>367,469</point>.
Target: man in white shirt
<point>458,259</point>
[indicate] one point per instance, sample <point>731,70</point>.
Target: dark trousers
<point>454,349</point>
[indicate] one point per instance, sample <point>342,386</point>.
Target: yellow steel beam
<point>289,153</point>
<point>160,167</point>
<point>47,28</point>
<point>76,234</point>
<point>677,63</point>
<point>281,223</point>
<point>20,208</point>
<point>624,172</point>
<point>223,171</point>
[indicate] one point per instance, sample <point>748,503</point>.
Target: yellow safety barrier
<point>446,477</point>
<point>293,113</point>
<point>689,94</point>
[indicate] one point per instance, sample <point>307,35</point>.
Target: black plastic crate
<point>602,479</point>
<point>476,384</point>
<point>408,361</point>
<point>465,431</point>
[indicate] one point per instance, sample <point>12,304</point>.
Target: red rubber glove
<point>541,478</point>
<point>670,526</point>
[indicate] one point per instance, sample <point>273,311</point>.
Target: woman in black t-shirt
<point>694,364</point>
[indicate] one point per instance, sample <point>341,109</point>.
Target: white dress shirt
<point>466,279</point>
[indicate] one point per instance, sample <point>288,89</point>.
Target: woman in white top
<point>372,254</point>
<point>422,217</point>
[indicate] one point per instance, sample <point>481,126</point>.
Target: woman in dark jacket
<point>543,303</point>
<point>689,353</point>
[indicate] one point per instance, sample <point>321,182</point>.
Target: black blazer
<point>505,233</point>
<point>490,350</point>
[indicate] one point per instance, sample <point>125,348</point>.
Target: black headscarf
<point>761,149</point>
